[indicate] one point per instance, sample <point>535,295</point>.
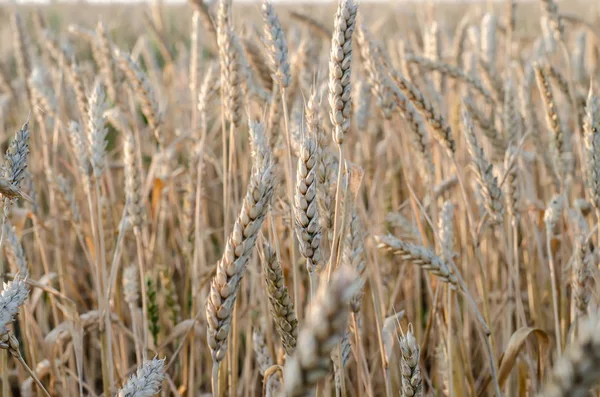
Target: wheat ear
<point>578,369</point>
<point>146,381</point>
<point>409,365</point>
<point>420,256</point>
<point>591,129</point>
<point>306,213</point>
<point>280,302</point>
<point>438,123</point>
<point>340,60</point>
<point>323,330</point>
<point>230,67</point>
<point>276,45</point>
<point>487,181</point>
<point>232,265</point>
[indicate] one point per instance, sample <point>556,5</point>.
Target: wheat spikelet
<point>258,64</point>
<point>578,368</point>
<point>354,254</point>
<point>80,146</point>
<point>306,213</point>
<point>97,130</point>
<point>323,329</point>
<point>553,213</point>
<point>281,305</point>
<point>133,182</point>
<point>511,184</point>
<point>489,24</point>
<point>326,171</point>
<point>14,252</point>
<point>581,278</point>
<point>407,229</point>
<point>419,256</point>
<point>250,89</point>
<point>487,181</point>
<point>451,71</point>
<point>340,355</point>
<point>340,88</point>
<point>12,297</point>
<point>511,120</point>
<point>418,137</point>
<point>210,86</point>
<point>527,106</point>
<point>67,196</point>
<point>446,230</point>
<point>21,48</point>
<point>15,161</point>
<point>276,45</point>
<point>432,50</point>
<point>74,73</point>
<point>106,62</point>
<point>147,380</point>
<point>591,129</point>
<point>207,18</point>
<point>264,361</point>
<point>41,96</point>
<point>492,81</point>
<point>375,73</point>
<point>488,128</point>
<point>458,45</point>
<point>409,365</point>
<point>232,265</point>
<point>560,140</point>
<point>550,11</point>
<point>144,92</point>
<point>14,168</point>
<point>229,61</point>
<point>131,289</point>
<point>439,125</point>
<point>274,118</point>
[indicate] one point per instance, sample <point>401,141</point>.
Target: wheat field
<point>217,199</point>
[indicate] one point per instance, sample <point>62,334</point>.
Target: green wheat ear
<point>171,298</point>
<point>153,319</point>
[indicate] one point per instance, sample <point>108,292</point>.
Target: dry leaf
<point>514,347</point>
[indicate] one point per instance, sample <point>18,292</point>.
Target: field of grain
<point>328,200</point>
